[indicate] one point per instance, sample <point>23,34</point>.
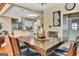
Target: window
<point>74,26</point>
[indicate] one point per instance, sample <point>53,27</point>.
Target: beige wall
<point>6,22</point>
<point>48,17</point>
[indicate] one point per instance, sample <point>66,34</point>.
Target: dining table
<point>42,45</point>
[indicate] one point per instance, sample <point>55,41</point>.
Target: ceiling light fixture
<point>32,15</point>
<point>43,4</point>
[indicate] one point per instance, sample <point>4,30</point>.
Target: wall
<point>6,22</point>
<point>48,17</point>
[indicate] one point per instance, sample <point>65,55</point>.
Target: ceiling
<point>27,10</point>
<point>36,6</point>
<point>19,12</point>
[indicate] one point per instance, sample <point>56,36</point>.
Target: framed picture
<point>56,18</point>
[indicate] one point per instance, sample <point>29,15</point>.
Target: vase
<point>41,32</point>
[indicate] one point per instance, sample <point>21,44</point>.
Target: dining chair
<point>15,45</point>
<point>12,47</point>
<point>7,49</point>
<point>71,51</point>
<point>25,50</point>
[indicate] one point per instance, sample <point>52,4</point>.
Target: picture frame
<point>56,18</point>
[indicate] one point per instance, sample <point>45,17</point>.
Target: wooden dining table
<point>42,45</point>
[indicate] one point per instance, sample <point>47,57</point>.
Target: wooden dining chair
<point>69,51</point>
<point>72,51</point>
<point>15,45</point>
<point>12,47</point>
<point>7,49</point>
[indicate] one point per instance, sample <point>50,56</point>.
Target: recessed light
<point>32,15</point>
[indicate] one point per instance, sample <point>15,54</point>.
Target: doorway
<point>71,26</point>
